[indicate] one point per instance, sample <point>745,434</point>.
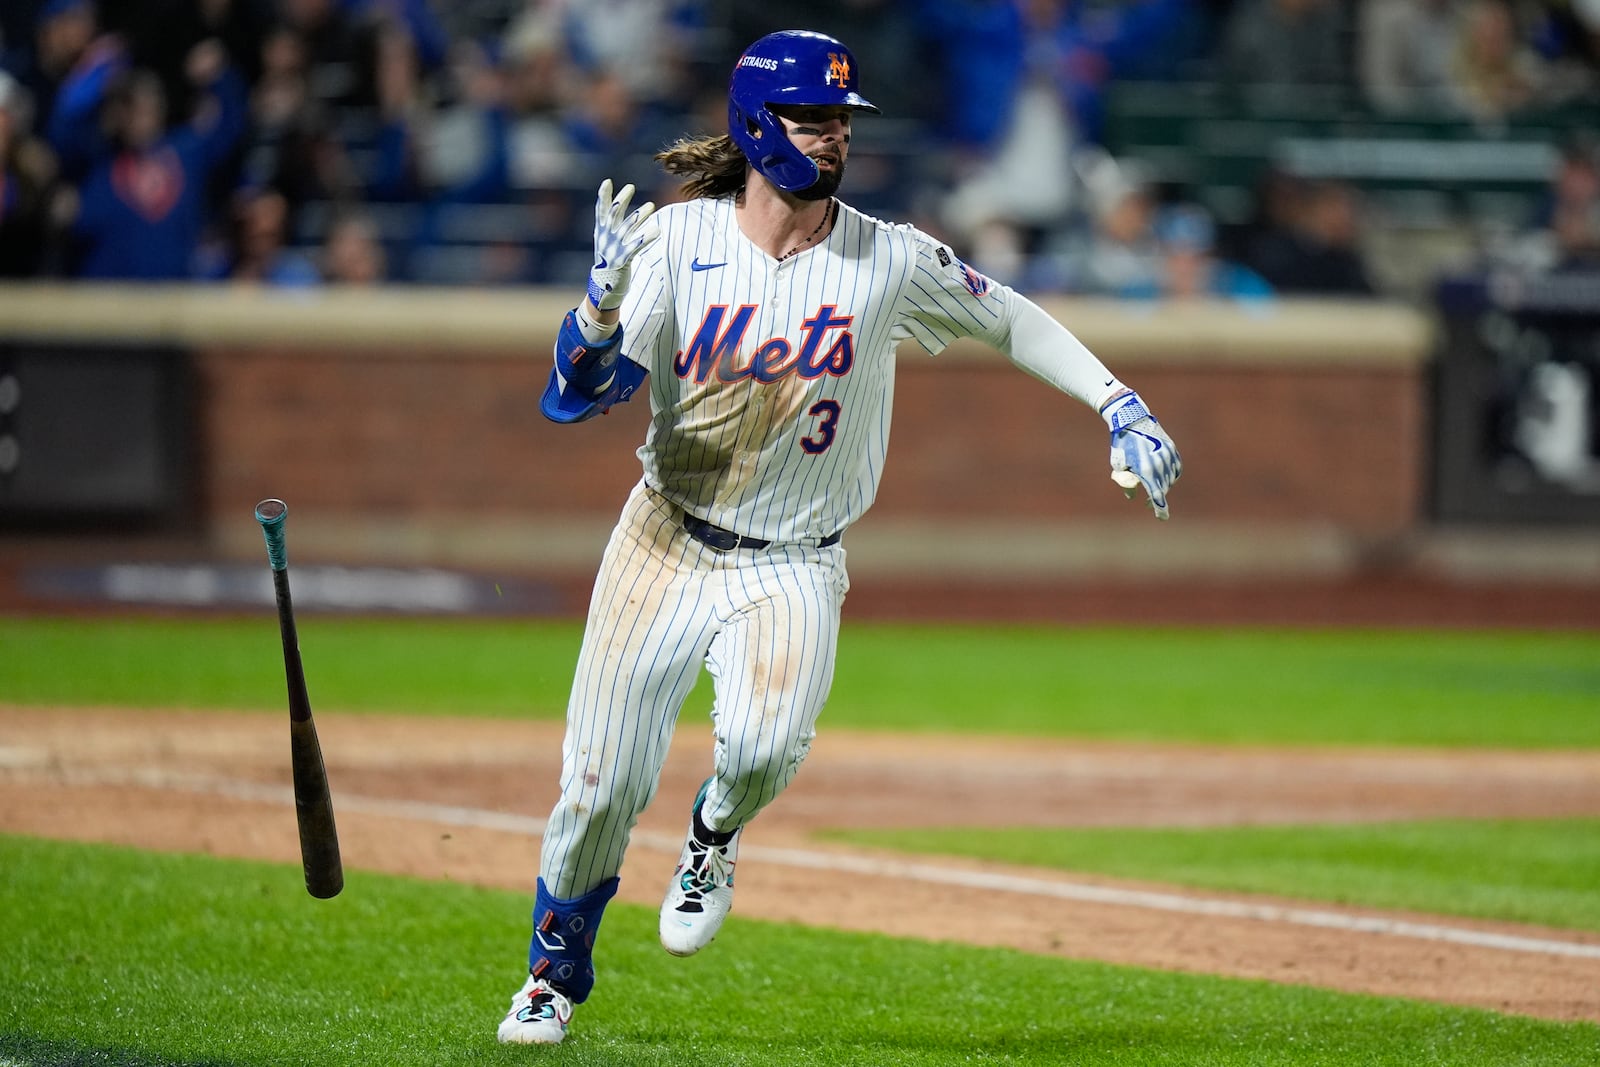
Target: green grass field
<point>114,956</point>
<point>121,957</point>
<point>1237,686</point>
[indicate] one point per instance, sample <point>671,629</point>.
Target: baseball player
<point>763,315</point>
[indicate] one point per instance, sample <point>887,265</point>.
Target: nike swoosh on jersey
<point>697,265</point>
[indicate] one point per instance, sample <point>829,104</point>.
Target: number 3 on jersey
<point>822,436</point>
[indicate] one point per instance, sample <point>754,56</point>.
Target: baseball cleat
<point>539,1015</point>
<point>701,893</point>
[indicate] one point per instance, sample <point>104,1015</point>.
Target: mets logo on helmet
<point>838,70</point>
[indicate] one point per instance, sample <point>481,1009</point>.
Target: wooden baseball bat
<point>313,803</point>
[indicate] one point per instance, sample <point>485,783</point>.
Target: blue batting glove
<point>618,236</point>
<point>1141,451</point>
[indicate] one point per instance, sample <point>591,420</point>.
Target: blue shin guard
<point>562,948</point>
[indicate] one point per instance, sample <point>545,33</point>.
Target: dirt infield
<point>461,800</point>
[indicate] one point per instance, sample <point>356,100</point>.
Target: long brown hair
<point>714,166</point>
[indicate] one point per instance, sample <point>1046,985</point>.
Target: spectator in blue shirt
<point>257,251</point>
<point>76,66</point>
<point>1190,266</point>
<point>142,207</point>
<point>65,39</point>
<point>992,49</point>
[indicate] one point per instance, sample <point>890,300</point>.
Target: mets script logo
<point>715,348</point>
<point>838,70</point>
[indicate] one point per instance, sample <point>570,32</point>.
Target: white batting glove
<point>618,236</point>
<point>1141,451</point>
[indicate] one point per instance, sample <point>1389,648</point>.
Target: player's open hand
<point>1142,454</point>
<point>619,234</point>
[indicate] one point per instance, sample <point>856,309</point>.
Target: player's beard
<point>827,182</point>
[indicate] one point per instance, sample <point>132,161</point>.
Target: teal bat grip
<point>270,514</point>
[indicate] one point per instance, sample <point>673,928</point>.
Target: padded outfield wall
<point>402,427</point>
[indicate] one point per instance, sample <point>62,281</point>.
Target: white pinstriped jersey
<point>771,382</point>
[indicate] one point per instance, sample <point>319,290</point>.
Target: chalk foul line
<point>807,859</point>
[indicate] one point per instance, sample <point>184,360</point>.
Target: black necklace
<point>827,213</point>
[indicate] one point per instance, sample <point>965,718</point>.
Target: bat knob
<point>270,513</point>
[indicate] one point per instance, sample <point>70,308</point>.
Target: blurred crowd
<point>313,142</point>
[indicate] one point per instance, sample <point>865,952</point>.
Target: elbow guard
<point>588,378</point>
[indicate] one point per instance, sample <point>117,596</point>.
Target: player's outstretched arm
<point>591,374</point>
<point>1141,451</point>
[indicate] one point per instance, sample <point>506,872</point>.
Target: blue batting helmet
<point>791,67</point>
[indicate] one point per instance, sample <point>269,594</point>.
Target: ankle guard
<point>562,948</point>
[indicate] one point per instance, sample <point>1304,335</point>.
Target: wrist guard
<point>588,378</point>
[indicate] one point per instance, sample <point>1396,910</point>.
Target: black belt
<point>726,540</point>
